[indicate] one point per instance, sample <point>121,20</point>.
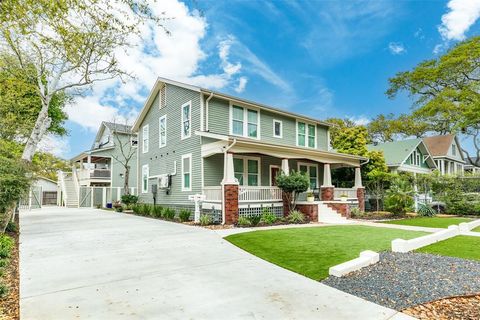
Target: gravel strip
<point>402,280</point>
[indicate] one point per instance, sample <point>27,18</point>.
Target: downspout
<point>224,169</point>
<point>206,111</point>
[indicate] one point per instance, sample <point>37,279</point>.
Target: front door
<point>274,171</point>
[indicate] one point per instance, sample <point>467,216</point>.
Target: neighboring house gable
<point>446,151</point>
<point>409,155</point>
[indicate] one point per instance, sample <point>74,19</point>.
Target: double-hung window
<point>145,178</point>
<point>311,170</point>
<point>277,128</point>
<point>306,135</point>
<point>454,149</point>
<point>187,172</point>
<point>145,139</point>
<point>186,120</point>
<point>247,170</point>
<point>162,131</point>
<point>244,122</point>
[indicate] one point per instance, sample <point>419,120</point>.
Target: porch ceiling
<point>282,152</point>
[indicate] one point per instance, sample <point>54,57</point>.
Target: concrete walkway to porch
<point>88,263</point>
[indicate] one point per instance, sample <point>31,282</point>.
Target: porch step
<point>328,215</point>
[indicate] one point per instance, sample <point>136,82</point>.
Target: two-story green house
<point>197,141</point>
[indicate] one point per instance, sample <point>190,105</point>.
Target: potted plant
<point>344,197</point>
<point>310,196</point>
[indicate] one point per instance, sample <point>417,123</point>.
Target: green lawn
<point>476,229</point>
<point>460,246</point>
<point>311,251</point>
<point>432,222</point>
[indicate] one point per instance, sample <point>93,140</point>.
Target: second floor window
<point>277,128</point>
<point>162,131</point>
<point>186,120</point>
<point>454,150</point>
<point>244,122</point>
<point>145,139</point>
<point>306,135</point>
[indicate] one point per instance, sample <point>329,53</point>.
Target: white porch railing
<point>259,194</point>
<point>87,174</point>
<point>213,193</point>
<point>350,192</point>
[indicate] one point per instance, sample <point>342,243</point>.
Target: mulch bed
<point>404,280</point>
<point>10,305</point>
<point>464,308</point>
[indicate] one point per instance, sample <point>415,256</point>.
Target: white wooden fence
<point>100,196</point>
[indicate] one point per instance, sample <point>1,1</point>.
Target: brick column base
<point>326,193</point>
<point>309,210</point>
<point>361,198</point>
<point>231,203</point>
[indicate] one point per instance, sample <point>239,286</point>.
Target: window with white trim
<point>186,120</point>
<point>415,158</point>
<point>306,135</point>
<point>454,149</point>
<point>244,122</point>
<point>277,128</point>
<point>162,131</point>
<point>247,170</point>
<point>187,172</point>
<point>311,170</point>
<point>145,178</point>
<point>145,138</point>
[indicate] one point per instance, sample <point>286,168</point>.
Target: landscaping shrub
<point>399,197</point>
<point>268,217</point>
<point>136,208</point>
<point>6,246</point>
<point>296,216</point>
<point>425,210</point>
<point>119,209</point>
<point>12,227</point>
<point>244,222</point>
<point>145,209</point>
<point>129,199</point>
<point>157,211</point>
<point>205,220</point>
<point>185,215</point>
<point>356,212</point>
<point>168,213</point>
<point>255,219</point>
<point>291,185</point>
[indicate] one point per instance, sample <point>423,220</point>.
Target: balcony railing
<point>87,174</point>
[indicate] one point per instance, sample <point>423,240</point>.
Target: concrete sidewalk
<point>88,263</point>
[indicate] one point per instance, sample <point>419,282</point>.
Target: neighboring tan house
<point>471,167</point>
<point>447,153</point>
<point>411,155</point>
<point>101,166</point>
<point>197,141</point>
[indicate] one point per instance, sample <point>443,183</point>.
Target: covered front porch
<point>247,171</point>
<point>92,170</point>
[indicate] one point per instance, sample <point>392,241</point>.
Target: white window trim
<point>189,156</point>
<point>145,150</point>
<point>245,169</point>
<point>145,166</point>
<point>281,128</point>
<point>189,103</point>
<point>245,121</point>
<point>306,133</point>
<point>160,131</point>
<point>270,173</point>
<point>308,165</point>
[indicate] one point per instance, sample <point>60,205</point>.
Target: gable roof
<point>119,128</point>
<point>439,145</point>
<point>162,81</point>
<point>396,152</point>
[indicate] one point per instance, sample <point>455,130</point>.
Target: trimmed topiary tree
<point>292,185</point>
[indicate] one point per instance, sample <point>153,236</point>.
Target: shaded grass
<point>312,251</point>
<point>460,246</point>
<point>477,229</point>
<point>431,222</point>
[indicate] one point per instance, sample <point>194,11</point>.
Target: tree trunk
<point>41,126</point>
<point>125,185</point>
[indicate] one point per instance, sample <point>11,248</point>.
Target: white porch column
<point>358,178</point>
<point>442,167</point>
<point>229,172</point>
<point>285,168</point>
<point>327,176</point>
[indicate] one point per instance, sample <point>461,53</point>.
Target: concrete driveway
<point>88,263</point>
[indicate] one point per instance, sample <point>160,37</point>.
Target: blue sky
<point>320,58</point>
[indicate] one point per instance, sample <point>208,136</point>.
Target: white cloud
<point>360,120</point>
<point>54,145</point>
<point>396,48</point>
<point>461,16</point>
<point>242,82</point>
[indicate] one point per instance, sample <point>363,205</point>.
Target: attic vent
<point>163,94</point>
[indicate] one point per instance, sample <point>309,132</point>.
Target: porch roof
<point>245,145</point>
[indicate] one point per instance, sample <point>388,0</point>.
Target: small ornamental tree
<point>292,185</point>
<point>399,199</point>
